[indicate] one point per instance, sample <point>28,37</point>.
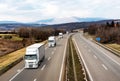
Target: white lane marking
<point>35,79</point>
<point>49,58</point>
<point>63,60</point>
<point>18,70</point>
<point>91,79</point>
<point>104,67</point>
<point>43,67</point>
<point>95,56</point>
<point>52,52</point>
<point>17,74</point>
<point>108,56</point>
<point>103,52</point>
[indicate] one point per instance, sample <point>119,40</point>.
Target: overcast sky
<point>33,10</point>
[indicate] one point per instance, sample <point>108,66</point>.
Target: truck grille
<point>30,64</point>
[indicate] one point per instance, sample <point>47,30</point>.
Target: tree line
<point>38,33</point>
<point>109,32</point>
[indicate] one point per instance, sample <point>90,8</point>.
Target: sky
<point>33,10</point>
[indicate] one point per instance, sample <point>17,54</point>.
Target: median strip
<point>74,70</point>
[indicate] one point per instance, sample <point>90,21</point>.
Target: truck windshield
<point>51,41</point>
<point>30,57</point>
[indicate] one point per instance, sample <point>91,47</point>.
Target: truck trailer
<point>34,55</point>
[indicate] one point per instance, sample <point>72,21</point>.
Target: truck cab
<point>34,54</point>
<point>51,41</point>
<point>60,35</point>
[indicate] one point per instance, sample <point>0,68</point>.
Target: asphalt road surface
<point>101,64</point>
<point>51,69</point>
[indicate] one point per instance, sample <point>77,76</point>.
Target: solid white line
<point>94,56</point>
<point>60,77</point>
<point>108,56</point>
<point>104,53</point>
<point>43,67</point>
<point>91,79</point>
<point>49,58</point>
<point>35,79</point>
<point>104,67</point>
<point>16,74</point>
<point>18,70</point>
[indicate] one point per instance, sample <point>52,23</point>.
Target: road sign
<point>98,39</point>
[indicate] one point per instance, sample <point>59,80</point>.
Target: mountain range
<point>68,20</point>
<point>52,21</point>
<point>65,23</point>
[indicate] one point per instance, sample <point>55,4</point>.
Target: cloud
<point>32,10</point>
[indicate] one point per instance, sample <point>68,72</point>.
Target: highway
<point>51,69</point>
<point>101,64</point>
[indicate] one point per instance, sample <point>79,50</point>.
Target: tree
<point>112,24</point>
<point>107,24</point>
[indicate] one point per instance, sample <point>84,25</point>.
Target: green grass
<point>7,34</point>
<point>15,37</point>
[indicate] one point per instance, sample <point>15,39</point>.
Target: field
<point>12,42</point>
<point>14,37</point>
<point>114,46</point>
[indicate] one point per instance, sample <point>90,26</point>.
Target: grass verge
<point>114,48</point>
<point>7,61</point>
<point>70,68</point>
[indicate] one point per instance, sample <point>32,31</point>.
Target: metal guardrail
<point>114,51</point>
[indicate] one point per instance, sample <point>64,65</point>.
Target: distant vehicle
<point>51,41</point>
<point>60,35</point>
<point>34,55</point>
<point>67,32</point>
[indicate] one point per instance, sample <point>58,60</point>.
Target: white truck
<point>51,41</point>
<point>60,35</point>
<point>34,55</point>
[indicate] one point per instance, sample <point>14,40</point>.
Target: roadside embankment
<point>11,59</point>
<point>114,48</point>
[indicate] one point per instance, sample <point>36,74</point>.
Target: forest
<point>109,32</point>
